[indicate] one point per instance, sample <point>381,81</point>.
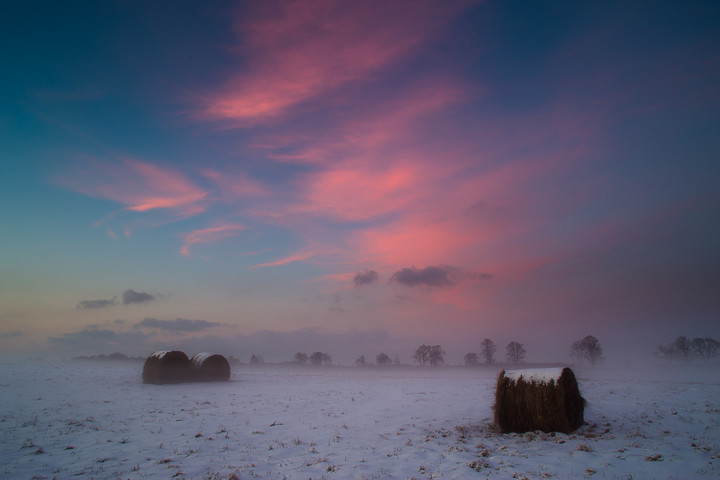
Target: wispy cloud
<point>14,334</point>
<point>209,235</point>
<point>95,304</point>
<point>298,50</point>
<point>140,186</point>
<point>296,257</point>
<point>180,325</point>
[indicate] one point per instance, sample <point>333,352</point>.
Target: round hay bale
<point>210,367</point>
<point>167,367</point>
<point>548,400</point>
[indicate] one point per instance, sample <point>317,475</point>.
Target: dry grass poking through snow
<point>101,422</point>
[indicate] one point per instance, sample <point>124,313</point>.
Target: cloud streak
<point>209,235</point>
<point>95,304</point>
<point>299,50</point>
<point>179,325</point>
<point>140,186</point>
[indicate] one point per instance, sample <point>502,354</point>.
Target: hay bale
<point>538,399</point>
<point>210,367</point>
<point>167,367</point>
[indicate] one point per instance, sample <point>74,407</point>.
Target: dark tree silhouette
<point>487,351</point>
<point>427,354</point>
<point>382,359</point>
<point>437,355</point>
<point>681,347</point>
<point>705,348</point>
<point>422,354</point>
<point>301,358</point>
<point>320,358</point>
<point>360,362</point>
<point>515,352</point>
<point>255,359</point>
<point>591,350</point>
<point>666,352</point>
<point>576,352</point>
<point>471,359</point>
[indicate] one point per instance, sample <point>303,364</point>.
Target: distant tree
<point>576,352</point>
<point>301,358</point>
<point>255,359</point>
<point>705,348</point>
<point>487,351</point>
<point>666,352</point>
<point>383,359</point>
<point>515,352</point>
<point>422,354</point>
<point>320,358</point>
<point>591,350</point>
<point>681,346</point>
<point>471,359</point>
<point>437,355</point>
<point>360,361</point>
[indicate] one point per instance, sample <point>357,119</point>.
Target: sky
<point>358,177</point>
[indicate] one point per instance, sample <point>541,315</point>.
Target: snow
<point>97,420</point>
<point>200,358</point>
<point>539,375</point>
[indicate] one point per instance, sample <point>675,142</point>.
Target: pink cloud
<point>140,186</point>
<point>298,50</point>
<point>208,235</point>
<point>296,257</point>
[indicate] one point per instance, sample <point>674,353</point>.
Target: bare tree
<point>255,359</point>
<point>666,352</point>
<point>705,348</point>
<point>591,350</point>
<point>320,358</point>
<point>515,352</point>
<point>681,346</point>
<point>576,352</point>
<point>471,359</point>
<point>437,355</point>
<point>487,351</point>
<point>301,358</point>
<point>422,354</point>
<point>382,359</point>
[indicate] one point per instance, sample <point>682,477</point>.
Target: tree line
<point>315,358</point>
<point>683,349</point>
<point>514,353</point>
<point>586,351</point>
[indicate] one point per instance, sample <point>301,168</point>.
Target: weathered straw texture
<point>167,367</point>
<point>552,406</point>
<point>208,367</point>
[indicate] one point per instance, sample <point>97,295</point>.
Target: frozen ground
<point>97,420</point>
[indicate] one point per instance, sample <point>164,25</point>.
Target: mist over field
<point>95,419</point>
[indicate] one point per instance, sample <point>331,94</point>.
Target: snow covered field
<point>97,420</point>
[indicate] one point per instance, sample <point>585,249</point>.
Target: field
<point>97,420</point>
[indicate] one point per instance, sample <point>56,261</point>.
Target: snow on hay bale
<point>538,399</point>
<point>167,367</point>
<point>210,367</point>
